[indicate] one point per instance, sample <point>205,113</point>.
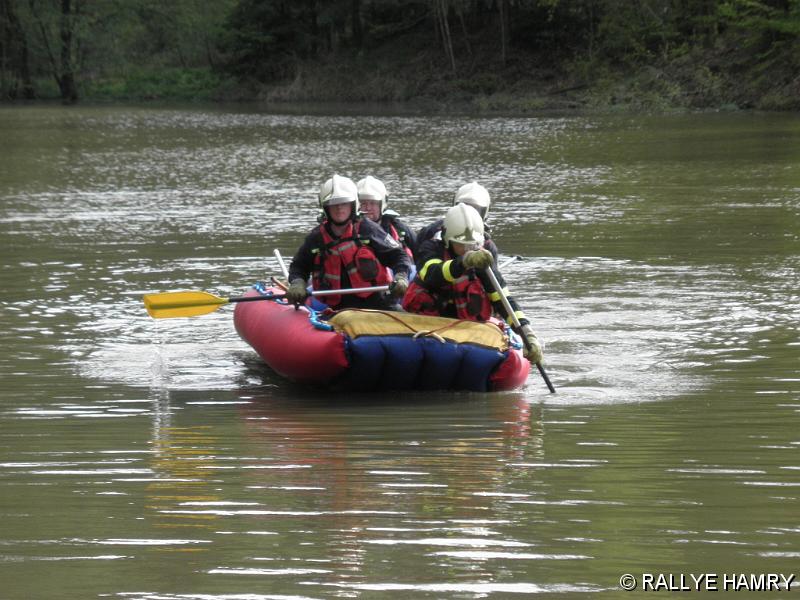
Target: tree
<point>441,10</point>
<point>15,73</point>
<point>358,28</point>
<point>56,25</point>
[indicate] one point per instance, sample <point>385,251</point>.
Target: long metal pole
<point>375,288</point>
<point>517,327</point>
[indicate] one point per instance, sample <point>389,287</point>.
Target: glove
<point>477,259</point>
<point>399,286</point>
<point>532,347</point>
<point>296,294</point>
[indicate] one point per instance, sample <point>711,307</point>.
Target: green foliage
<point>505,102</point>
<point>157,84</point>
<point>264,40</point>
<point>481,83</point>
<point>111,40</point>
<point>532,53</point>
<point>760,17</point>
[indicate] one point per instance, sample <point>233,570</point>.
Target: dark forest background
<point>487,54</point>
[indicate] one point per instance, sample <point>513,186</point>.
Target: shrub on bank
<point>197,84</point>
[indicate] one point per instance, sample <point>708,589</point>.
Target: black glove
<point>296,294</point>
<point>399,286</point>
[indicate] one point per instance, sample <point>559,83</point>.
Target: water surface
<point>144,459</point>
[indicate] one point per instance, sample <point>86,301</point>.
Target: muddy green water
<point>159,460</point>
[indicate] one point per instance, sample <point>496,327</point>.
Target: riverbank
<point>726,77</point>
<point>408,71</point>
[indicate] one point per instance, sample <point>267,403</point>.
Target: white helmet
<point>463,225</point>
<point>476,196</point>
<point>371,188</point>
<point>338,190</point>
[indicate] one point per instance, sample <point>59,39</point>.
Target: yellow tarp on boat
<point>358,322</point>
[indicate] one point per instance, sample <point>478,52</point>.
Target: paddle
<point>517,327</point>
<point>191,304</point>
<point>284,270</point>
<point>508,262</point>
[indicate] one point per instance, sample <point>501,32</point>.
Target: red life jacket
<point>420,301</point>
<point>466,292</point>
<point>348,252</point>
<point>396,236</point>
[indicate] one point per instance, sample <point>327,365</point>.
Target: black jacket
<point>430,263</point>
<point>389,252</point>
<point>429,231</point>
<point>404,232</point>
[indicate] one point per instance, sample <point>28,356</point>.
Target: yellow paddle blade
<point>181,304</point>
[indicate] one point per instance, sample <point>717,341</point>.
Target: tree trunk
<point>441,9</point>
<point>313,23</point>
<point>28,92</point>
<point>66,80</point>
<point>591,31</point>
<point>15,59</point>
<point>209,52</point>
<point>358,29</point>
<point>502,8</point>
<point>465,33</point>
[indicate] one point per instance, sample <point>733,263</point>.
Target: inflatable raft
<point>380,350</point>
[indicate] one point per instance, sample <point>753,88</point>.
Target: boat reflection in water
<point>329,485</point>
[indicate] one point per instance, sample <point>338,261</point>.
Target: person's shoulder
<point>372,231</point>
<point>392,218</point>
<point>437,224</point>
<point>314,235</point>
<point>367,226</point>
<point>388,220</point>
<point>429,230</point>
<point>316,229</point>
<point>430,247</point>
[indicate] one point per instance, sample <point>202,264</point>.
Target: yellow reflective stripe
<point>446,271</point>
<point>495,296</point>
<point>424,271</point>
<point>517,313</point>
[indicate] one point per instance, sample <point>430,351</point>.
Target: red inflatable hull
<point>294,348</point>
<point>269,326</point>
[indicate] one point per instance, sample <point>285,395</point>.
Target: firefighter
<point>373,203</point>
<point>451,278</point>
<point>345,251</point>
